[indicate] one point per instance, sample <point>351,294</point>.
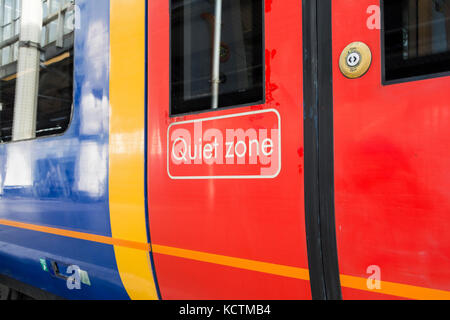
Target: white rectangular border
<point>225,117</point>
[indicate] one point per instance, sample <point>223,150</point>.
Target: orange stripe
<point>265,267</point>
<point>359,283</point>
<point>396,289</point>
<point>77,235</point>
<point>46,63</point>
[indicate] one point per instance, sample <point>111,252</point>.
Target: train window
<point>416,38</point>
<point>216,54</point>
<point>36,67</point>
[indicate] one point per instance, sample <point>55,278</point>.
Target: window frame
<point>386,82</point>
<point>263,57</point>
<point>73,56</point>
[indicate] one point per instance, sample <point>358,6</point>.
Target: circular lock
<point>355,60</point>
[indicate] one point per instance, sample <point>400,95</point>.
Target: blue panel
<point>21,251</point>
<point>62,181</point>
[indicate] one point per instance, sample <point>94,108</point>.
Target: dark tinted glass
<point>241,54</point>
<point>417,37</point>
<point>54,101</point>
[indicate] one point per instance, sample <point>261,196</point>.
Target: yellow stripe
<point>127,145</point>
<point>78,235</point>
<point>59,58</point>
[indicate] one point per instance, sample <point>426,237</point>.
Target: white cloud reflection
<point>94,114</point>
<point>97,42</point>
<point>19,165</point>
<point>91,172</point>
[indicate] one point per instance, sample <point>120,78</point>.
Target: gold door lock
<point>355,60</point>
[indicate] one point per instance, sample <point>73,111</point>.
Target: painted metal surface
<point>79,198</point>
<point>230,238</point>
<point>127,146</point>
<point>62,181</point>
<point>392,182</point>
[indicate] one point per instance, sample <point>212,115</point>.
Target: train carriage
<point>224,149</point>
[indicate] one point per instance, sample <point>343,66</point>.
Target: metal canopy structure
<point>57,25</point>
<point>34,34</point>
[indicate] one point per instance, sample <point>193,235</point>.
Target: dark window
<point>239,65</point>
<point>48,58</point>
<point>416,38</point>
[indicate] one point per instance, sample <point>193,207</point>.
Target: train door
<point>225,149</point>
<point>391,110</point>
